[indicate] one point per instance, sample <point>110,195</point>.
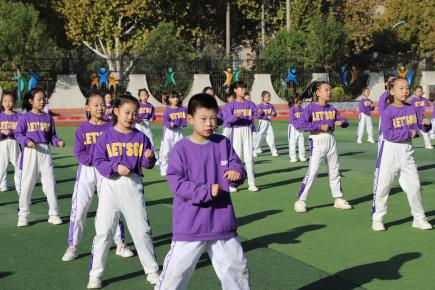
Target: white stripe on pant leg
<point>48,182</point>
<point>29,175</point>
<point>229,263</point>
<point>179,265</point>
<point>333,167</point>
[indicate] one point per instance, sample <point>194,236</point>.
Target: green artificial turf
<point>324,248</point>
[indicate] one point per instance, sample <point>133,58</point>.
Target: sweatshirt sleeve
<point>230,117</point>
<point>181,186</point>
<point>20,132</point>
<point>145,162</point>
<point>305,122</point>
<point>338,117</point>
<point>153,113</point>
<point>235,164</point>
<point>389,132</point>
<point>80,149</point>
<point>183,122</point>
<point>361,105</point>
<point>166,119</point>
<point>102,162</point>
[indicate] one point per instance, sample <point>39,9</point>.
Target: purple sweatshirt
<point>128,149</point>
<point>382,102</point>
<point>294,115</point>
<point>366,106</point>
<point>397,123</point>
<point>37,128</point>
<point>8,122</point>
<point>224,116</point>
<point>177,115</point>
<point>268,110</point>
<point>108,113</point>
<point>146,112</point>
<point>315,115</point>
<point>192,169</point>
<point>86,141</point>
<point>420,104</point>
<point>247,108</point>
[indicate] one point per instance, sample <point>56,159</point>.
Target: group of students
<point>202,170</point>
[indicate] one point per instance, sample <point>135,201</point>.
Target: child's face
<point>173,100</point>
<point>204,122</point>
<point>96,107</point>
<point>108,98</point>
<point>418,93</point>
<point>240,92</point>
<point>126,114</point>
<point>400,90</point>
<point>324,92</point>
<point>8,102</point>
<point>38,101</point>
<point>298,103</point>
<point>366,93</point>
<point>266,98</point>
<point>143,96</point>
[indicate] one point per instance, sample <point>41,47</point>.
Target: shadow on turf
<point>426,167</point>
<point>5,274</point>
<point>363,274</point>
<point>351,153</point>
<point>65,166</point>
<point>293,180</point>
<point>62,157</point>
<point>159,201</point>
<point>287,169</point>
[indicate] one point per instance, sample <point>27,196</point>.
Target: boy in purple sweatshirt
<point>201,169</point>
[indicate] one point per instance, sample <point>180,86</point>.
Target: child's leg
<point>48,181</point>
<point>229,263</point>
<point>262,128</point>
<point>270,138</point>
<point>179,264</point>
<point>426,139</point>
<point>432,132</point>
<point>334,168</point>
<point>149,133</point>
<point>380,136</point>
<point>316,157</point>
<point>301,144</point>
<point>15,160</point>
<point>291,143</point>
<point>227,132</point>
<point>361,124</point>
<point>132,206</point>
<point>105,223</point>
<point>248,156</point>
<point>165,150</point>
<point>4,161</point>
<point>369,125</point>
<point>29,175</point>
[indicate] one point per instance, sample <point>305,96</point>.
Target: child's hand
<point>232,175</point>
<point>171,124</point>
<point>273,114</point>
<point>122,170</point>
<point>338,123</point>
<point>269,117</point>
<point>425,122</point>
<point>31,145</point>
<point>413,133</point>
<point>324,128</point>
<point>239,114</point>
<point>6,132</point>
<point>149,154</point>
<point>215,190</point>
<point>61,143</point>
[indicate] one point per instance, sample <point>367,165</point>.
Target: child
<point>201,169</point>
<point>320,119</point>
<point>35,130</point>
<point>382,104</point>
<point>9,148</point>
<point>146,115</point>
<point>174,120</point>
<point>365,109</point>
<point>400,123</point>
<point>109,107</point>
<point>220,118</point>
<point>432,132</point>
<point>265,130</point>
<point>88,178</point>
<point>295,135</point>
<point>421,104</point>
<point>226,131</point>
<point>120,153</point>
<point>240,115</point>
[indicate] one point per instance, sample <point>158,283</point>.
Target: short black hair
<point>202,101</point>
<point>239,84</point>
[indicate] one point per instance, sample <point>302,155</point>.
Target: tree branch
<point>102,47</point>
<point>129,67</point>
<point>95,50</point>
<point>128,31</point>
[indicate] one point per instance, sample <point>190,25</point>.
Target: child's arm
<point>393,134</point>
<point>423,123</point>
<point>273,111</point>
<point>305,122</point>
<point>372,106</point>
<point>153,114</point>
<point>235,164</point>
<point>80,149</point>
<point>230,117</point>
<point>183,122</point>
<point>340,121</point>
<point>220,118</point>
<point>148,158</point>
<point>20,132</point>
<point>182,187</point>
<point>56,141</point>
<point>166,119</point>
<point>102,162</point>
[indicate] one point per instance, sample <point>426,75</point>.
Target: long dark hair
<point>310,92</point>
<point>30,96</point>
<point>88,115</point>
<point>121,101</point>
<point>7,93</point>
<point>174,93</point>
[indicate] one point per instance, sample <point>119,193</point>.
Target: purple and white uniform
<point>201,222</point>
<point>322,146</point>
<point>122,195</point>
<point>40,129</point>
<point>10,150</point>
<point>295,135</point>
<point>88,181</point>
<point>396,156</point>
<point>146,115</point>
<point>108,113</point>
<point>241,127</point>
<point>366,107</point>
<point>171,135</point>
<point>265,129</point>
<point>421,105</point>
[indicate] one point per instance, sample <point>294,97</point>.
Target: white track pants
<point>145,128</point>
<point>432,132</point>
<point>265,130</point>
<point>396,158</point>
<point>295,136</point>
<point>169,138</point>
<point>122,195</point>
<point>88,181</point>
<point>365,121</point>
<point>35,162</point>
<point>227,258</point>
<point>227,132</point>
<point>380,137</point>
<point>426,138</point>
<point>242,144</point>
<point>323,147</point>
<point>9,152</point>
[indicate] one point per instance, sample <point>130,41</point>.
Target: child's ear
<point>116,111</point>
<point>190,119</point>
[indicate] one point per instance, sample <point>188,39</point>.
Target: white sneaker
<point>300,206</point>
<point>3,189</point>
<point>162,173</point>
<point>157,162</point>
<point>378,226</point>
<point>359,142</point>
<point>253,188</point>
<point>94,283</point>
<point>275,154</point>
<point>421,224</point>
<point>70,254</point>
<point>302,159</point>
<point>254,154</point>
<point>55,220</point>
<point>124,251</point>
<point>293,160</point>
<point>341,204</point>
<point>428,147</point>
<point>233,189</point>
<point>153,278</point>
<point>371,141</point>
<point>22,221</point>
